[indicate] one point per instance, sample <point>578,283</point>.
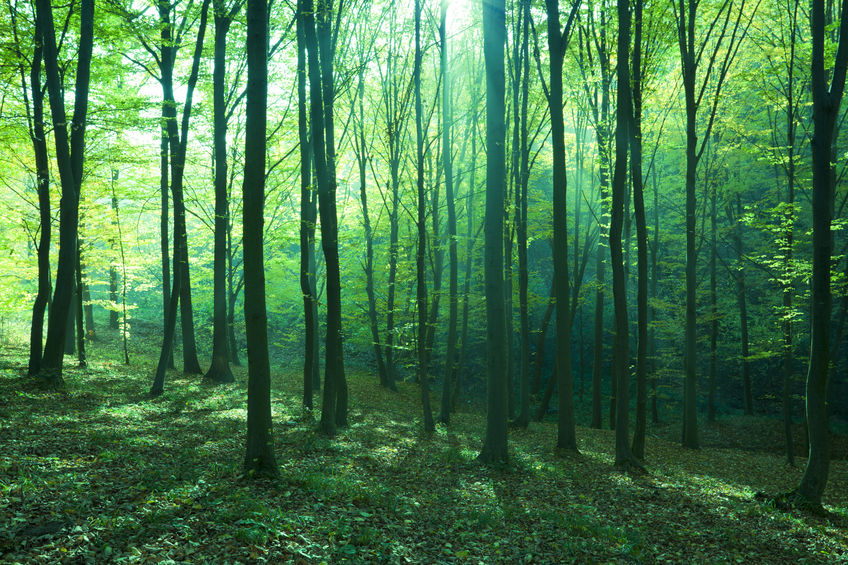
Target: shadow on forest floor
<point>99,472</point>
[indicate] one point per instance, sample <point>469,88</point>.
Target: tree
<point>329,219</point>
<point>178,144</point>
<point>638,446</point>
<point>308,218</point>
<point>334,368</point>
<point>453,259</point>
<point>33,95</point>
<point>219,371</point>
<point>557,43</point>
<point>694,93</point>
<point>624,458</point>
<point>259,458</point>
<point>494,40</point>
<point>69,158</point>
<point>421,292</point>
<point>827,99</point>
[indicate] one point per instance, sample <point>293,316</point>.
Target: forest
<point>423,281</point>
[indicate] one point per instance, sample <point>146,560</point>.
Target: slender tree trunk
<point>638,446</point>
<point>42,176</point>
<point>557,40</point>
<point>329,230</point>
<point>421,286</point>
<point>453,259</point>
<point>652,337</point>
<point>259,457</point>
<point>624,459</point>
<point>826,103</point>
<point>164,222</point>
<point>494,40</point>
<point>686,18</point>
<point>69,157</point>
<point>711,415</point>
<point>219,371</point>
<point>113,270</point>
<point>308,217</point>
<point>232,294</point>
<point>178,152</point>
<point>78,309</point>
<point>521,220</point>
<point>124,327</point>
<point>330,239</point>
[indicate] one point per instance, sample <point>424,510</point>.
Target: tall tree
<point>453,260</point>
<point>178,144</point>
<point>259,458</point>
<point>308,218</point>
<point>594,45</point>
<point>494,40</point>
<point>636,82</point>
<point>329,225</point>
<point>69,158</point>
<point>33,95</point>
<point>219,371</point>
<point>695,89</point>
<point>624,458</point>
<point>557,43</point>
<point>326,38</point>
<point>421,292</point>
<point>827,99</point>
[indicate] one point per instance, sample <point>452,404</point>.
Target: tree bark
<point>178,153</point>
<point>453,259</point>
<point>826,102</point>
<point>308,218</point>
<point>557,41</point>
<point>219,371</point>
<point>69,157</point>
<point>421,292</point>
<point>259,458</point>
<point>494,39</point>
<point>42,176</point>
<point>638,446</point>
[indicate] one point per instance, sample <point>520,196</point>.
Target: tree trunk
<point>69,157</point>
<point>113,270</point>
<point>638,446</point>
<point>164,223</point>
<point>713,309</point>
<point>624,459</point>
<point>259,457</point>
<point>308,217</point>
<point>826,102</point>
<point>421,292</point>
<point>453,259</point>
<point>557,40</point>
<point>494,39</point>
<point>178,153</point>
<point>78,309</point>
<point>686,19</point>
<point>219,371</point>
<point>42,175</point>
<point>232,294</point>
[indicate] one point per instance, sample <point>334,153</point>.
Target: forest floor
<point>99,473</point>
